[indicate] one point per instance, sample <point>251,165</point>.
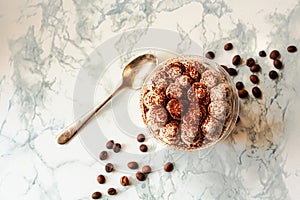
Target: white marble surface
<point>43,47</point>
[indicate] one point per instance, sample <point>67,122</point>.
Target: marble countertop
<point>45,45</point>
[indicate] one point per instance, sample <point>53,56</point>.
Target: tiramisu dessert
<point>189,104</point>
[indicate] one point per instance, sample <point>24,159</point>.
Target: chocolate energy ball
<point>199,92</point>
<point>219,110</point>
<point>175,109</point>
<point>220,92</point>
<point>211,128</point>
<point>196,114</point>
<point>169,132</point>
<point>157,117</point>
<point>209,78</point>
<point>152,99</point>
<point>185,81</point>
<point>192,72</point>
<point>174,70</point>
<point>189,133</point>
<point>174,91</point>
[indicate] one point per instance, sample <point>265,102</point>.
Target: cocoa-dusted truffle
<point>220,92</point>
<point>175,108</point>
<point>192,72</point>
<point>185,81</point>
<point>174,69</point>
<point>152,99</point>
<point>174,91</point>
<point>218,110</point>
<point>211,128</point>
<point>157,117</point>
<point>160,80</point>
<point>196,113</point>
<point>198,92</point>
<point>169,133</point>
<point>189,133</point>
<point>209,78</point>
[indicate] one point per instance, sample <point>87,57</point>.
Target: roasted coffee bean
<point>255,68</point>
<point>254,79</point>
<point>273,74</point>
<point>231,71</point>
<point>110,144</point>
<point>250,62</point>
<point>124,181</point>
<point>101,179</point>
<point>236,60</point>
<point>132,165</point>
<point>224,67</point>
<point>262,53</point>
<point>210,55</point>
<point>140,176</point>
<point>274,54</point>
<point>277,64</point>
<point>143,148</point>
<point>103,155</point>
<point>238,119</point>
<point>243,93</point>
<point>239,85</point>
<point>96,195</point>
<point>291,48</point>
<point>117,147</point>
<point>109,167</point>
<point>256,92</point>
<point>168,167</point>
<point>112,191</point>
<point>140,138</point>
<point>228,46</point>
<point>146,169</point>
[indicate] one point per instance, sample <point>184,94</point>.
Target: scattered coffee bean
<point>291,48</point>
<point>228,46</point>
<point>243,93</point>
<point>262,53</point>
<point>236,60</point>
<point>132,165</point>
<point>274,54</point>
<point>109,167</point>
<point>238,119</point>
<point>112,191</point>
<point>224,67</point>
<point>141,137</point>
<point>277,64</point>
<point>273,74</point>
<point>117,147</point>
<point>210,55</point>
<point>256,92</point>
<point>103,155</point>
<point>231,71</point>
<point>168,167</point>
<point>254,79</point>
<point>146,169</point>
<point>96,195</point>
<point>143,148</point>
<point>250,62</point>
<point>140,176</point>
<point>101,179</point>
<point>239,85</point>
<point>255,68</point>
<point>110,144</point>
<point>124,181</point>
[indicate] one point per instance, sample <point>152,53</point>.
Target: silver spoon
<point>133,77</point>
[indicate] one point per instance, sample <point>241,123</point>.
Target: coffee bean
<point>254,79</point>
<point>143,148</point>
<point>239,85</point>
<point>140,176</point>
<point>124,181</point>
<point>109,167</point>
<point>146,169</point>
<point>231,71</point>
<point>255,68</point>
<point>168,167</point>
<point>238,119</point>
<point>224,67</point>
<point>277,64</point>
<point>96,195</point>
<point>250,62</point>
<point>273,74</point>
<point>243,93</point>
<point>256,92</point>
<point>117,147</point>
<point>140,137</point>
<point>291,48</point>
<point>228,46</point>
<point>103,155</point>
<point>236,60</point>
<point>262,53</point>
<point>101,179</point>
<point>210,55</point>
<point>112,191</point>
<point>132,165</point>
<point>274,54</point>
<point>110,144</point>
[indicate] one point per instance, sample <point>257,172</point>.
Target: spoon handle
<point>69,132</point>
